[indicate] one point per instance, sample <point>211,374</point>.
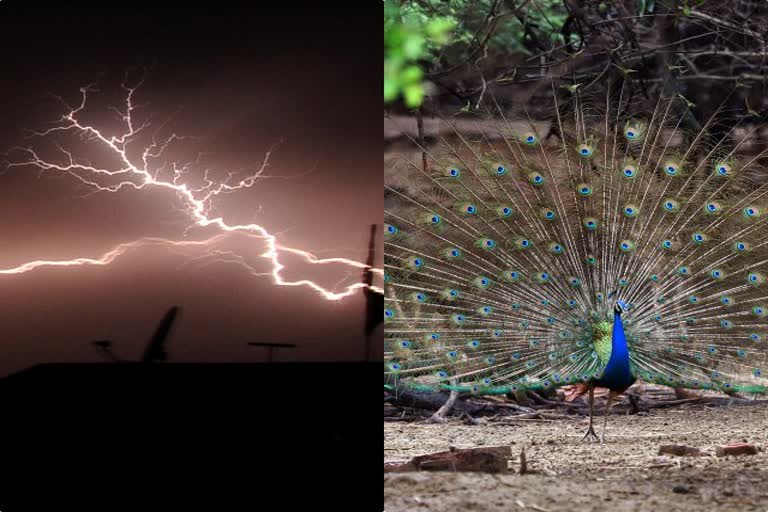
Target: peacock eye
<point>672,169</point>
<point>454,173</point>
<point>530,138</point>
<point>723,169</point>
<point>500,170</point>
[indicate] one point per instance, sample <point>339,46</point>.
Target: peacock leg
<point>605,420</point>
<point>590,430</point>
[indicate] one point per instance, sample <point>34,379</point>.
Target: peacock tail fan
<point>505,254</point>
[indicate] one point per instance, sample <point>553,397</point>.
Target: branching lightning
<point>138,173</point>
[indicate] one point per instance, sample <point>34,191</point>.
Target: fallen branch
<point>488,459</point>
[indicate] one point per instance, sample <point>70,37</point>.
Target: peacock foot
<point>591,435</point>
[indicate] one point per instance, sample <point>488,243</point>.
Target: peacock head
<point>620,307</point>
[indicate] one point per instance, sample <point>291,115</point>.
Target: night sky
<point>240,83</point>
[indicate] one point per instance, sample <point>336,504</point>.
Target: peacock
<point>598,245</point>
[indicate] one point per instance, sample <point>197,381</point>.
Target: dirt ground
<point>624,474</point>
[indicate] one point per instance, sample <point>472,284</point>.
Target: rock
<point>681,489</point>
<point>736,449</point>
<point>681,450</point>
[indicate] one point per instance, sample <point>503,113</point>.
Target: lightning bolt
<point>138,173</point>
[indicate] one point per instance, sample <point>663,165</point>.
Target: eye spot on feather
<point>755,278</point>
<point>741,246</point>
<point>394,367</point>
<point>500,170</point>
<point>759,311</point>
<point>482,282</point>
<point>442,375</point>
<point>631,210</point>
<point>626,246</point>
<point>585,150</point>
<point>723,170</point>
<point>713,208</point>
<point>591,260</point>
<point>536,178</point>
<point>670,205</point>
<point>458,319</point>
<point>405,344</point>
<point>629,172</point>
<point>590,223</point>
<point>523,243</point>
<point>717,274</point>
<point>415,263</point>
<point>504,211</point>
<point>755,337</point>
<point>487,243</point>
<point>548,214</point>
<point>390,229</point>
<point>388,313</point>
<point>584,190</point>
<point>672,169</point>
<point>726,324</point>
<point>726,301</point>
<point>752,212</point>
<point>699,238</point>
<point>530,138</point>
<point>556,248</point>
<point>451,294</point>
<point>453,252</point>
<point>473,344</point>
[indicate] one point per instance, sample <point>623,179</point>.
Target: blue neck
<point>617,373</point>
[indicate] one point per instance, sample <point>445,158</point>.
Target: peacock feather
<point>506,254</point>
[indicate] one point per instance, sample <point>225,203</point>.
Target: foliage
<point>440,34</point>
<point>409,38</point>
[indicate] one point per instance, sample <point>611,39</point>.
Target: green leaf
<point>439,29</point>
<point>411,74</point>
<point>413,95</point>
<point>390,89</point>
<point>413,46</point>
